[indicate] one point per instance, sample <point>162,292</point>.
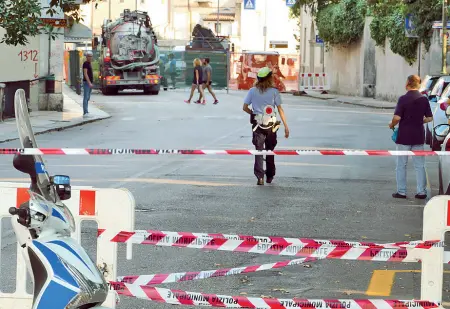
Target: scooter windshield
<point>27,140</point>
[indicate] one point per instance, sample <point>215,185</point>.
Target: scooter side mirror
<point>62,186</point>
<point>441,131</point>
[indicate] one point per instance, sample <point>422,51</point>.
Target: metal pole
<point>136,4</point>
<point>228,70</point>
<point>109,11</point>
<point>265,25</point>
<point>2,101</point>
<point>218,11</point>
<point>444,36</point>
<point>323,57</point>
<point>420,56</point>
<point>300,47</point>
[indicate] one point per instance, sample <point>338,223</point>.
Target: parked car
<point>438,95</point>
<point>428,83</point>
<point>441,132</point>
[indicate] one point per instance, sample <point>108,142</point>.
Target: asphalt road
<point>316,197</point>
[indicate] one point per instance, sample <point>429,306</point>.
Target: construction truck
<point>129,55</point>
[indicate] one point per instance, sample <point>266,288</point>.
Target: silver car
<point>441,133</point>
<point>436,94</point>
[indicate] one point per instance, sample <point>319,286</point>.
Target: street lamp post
<point>444,36</point>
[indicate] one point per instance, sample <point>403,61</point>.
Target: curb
<point>59,128</point>
<point>363,104</point>
<point>348,102</point>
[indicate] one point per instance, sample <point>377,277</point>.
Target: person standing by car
<point>207,80</point>
<point>263,98</point>
<point>197,81</point>
<point>88,78</point>
<point>171,69</point>
<point>411,112</point>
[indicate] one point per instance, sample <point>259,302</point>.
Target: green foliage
<point>21,18</point>
<point>342,23</point>
<point>424,13</point>
<point>399,42</point>
<point>389,23</point>
<point>313,5</point>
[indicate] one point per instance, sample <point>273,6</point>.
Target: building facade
<point>173,20</point>
<point>27,67</point>
<point>268,27</point>
<point>312,52</point>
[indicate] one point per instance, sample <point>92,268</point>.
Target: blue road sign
<point>290,3</point>
<point>249,4</point>
<point>319,40</point>
<point>409,27</point>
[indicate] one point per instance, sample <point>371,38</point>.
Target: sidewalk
<point>48,121</point>
<point>366,102</point>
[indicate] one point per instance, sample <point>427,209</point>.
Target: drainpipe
<point>92,15</point>
<point>190,20</point>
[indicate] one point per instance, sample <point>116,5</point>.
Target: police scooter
<point>441,132</point>
<point>64,276</point>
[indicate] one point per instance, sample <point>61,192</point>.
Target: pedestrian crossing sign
<point>290,3</point>
<point>249,4</point>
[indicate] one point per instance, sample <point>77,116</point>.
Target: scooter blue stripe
<point>66,246</point>
<point>58,267</point>
<point>55,296</point>
<point>57,214</point>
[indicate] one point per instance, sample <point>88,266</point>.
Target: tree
<point>22,18</point>
<point>313,5</point>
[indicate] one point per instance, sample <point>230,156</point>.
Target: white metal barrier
<point>110,208</point>
<point>315,82</point>
<point>436,222</point>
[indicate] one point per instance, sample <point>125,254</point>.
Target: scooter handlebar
<point>22,213</point>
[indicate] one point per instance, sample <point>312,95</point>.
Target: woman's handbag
<point>394,135</point>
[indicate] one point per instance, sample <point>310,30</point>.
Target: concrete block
<point>51,102</point>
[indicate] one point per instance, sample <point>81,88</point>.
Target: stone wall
<point>369,71</point>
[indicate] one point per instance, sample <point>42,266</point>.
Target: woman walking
<point>263,98</point>
<point>197,82</point>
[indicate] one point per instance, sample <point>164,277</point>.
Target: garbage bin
<point>2,100</point>
<point>50,84</point>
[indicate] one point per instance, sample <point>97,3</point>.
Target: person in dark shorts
<point>412,111</point>
<point>88,78</point>
<point>264,99</point>
<point>197,81</point>
<point>207,80</point>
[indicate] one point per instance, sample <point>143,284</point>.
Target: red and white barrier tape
<point>300,152</point>
<point>274,245</point>
<point>178,297</point>
<point>188,276</point>
<point>187,238</point>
